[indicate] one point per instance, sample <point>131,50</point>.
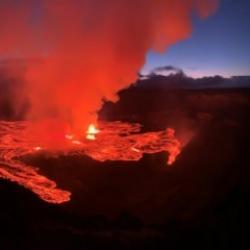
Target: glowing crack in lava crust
<point>113,141</point>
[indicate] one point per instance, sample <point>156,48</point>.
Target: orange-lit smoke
<point>87,50</point>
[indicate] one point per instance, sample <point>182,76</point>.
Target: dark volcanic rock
<point>201,202</point>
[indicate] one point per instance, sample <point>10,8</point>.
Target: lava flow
<point>113,141</point>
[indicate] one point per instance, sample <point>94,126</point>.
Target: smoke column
<point>85,51</point>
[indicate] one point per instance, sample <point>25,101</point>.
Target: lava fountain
<point>92,132</point>
<point>113,141</point>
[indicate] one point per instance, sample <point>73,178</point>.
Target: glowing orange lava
<point>92,132</point>
<point>116,141</point>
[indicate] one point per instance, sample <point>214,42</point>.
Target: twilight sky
<point>218,45</point>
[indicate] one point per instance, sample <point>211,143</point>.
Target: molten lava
<point>116,141</point>
<point>92,132</point>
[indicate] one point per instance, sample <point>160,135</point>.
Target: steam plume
<point>88,49</point>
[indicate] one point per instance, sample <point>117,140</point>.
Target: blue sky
<point>219,45</point>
